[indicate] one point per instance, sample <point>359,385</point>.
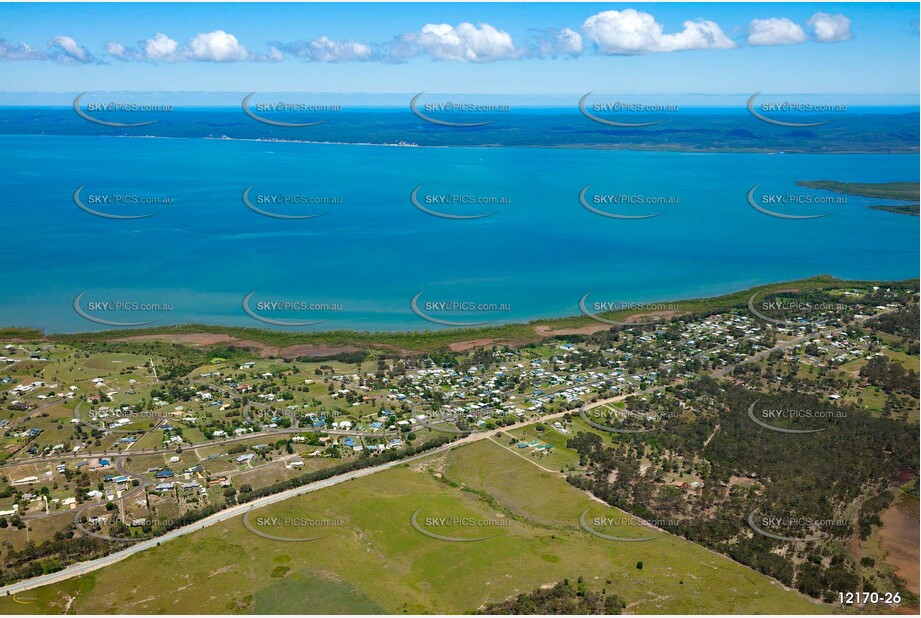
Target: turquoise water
<point>372,253</point>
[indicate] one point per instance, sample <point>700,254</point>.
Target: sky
<point>523,49</point>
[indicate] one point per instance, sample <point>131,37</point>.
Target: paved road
<point>234,511</point>
<point>82,568</point>
<point>237,510</point>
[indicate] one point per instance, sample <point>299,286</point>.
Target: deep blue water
<point>373,252</point>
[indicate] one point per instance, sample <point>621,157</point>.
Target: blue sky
<point>534,49</point>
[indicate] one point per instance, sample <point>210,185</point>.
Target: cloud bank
<point>628,32</point>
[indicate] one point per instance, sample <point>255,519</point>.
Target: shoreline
<point>605,147</point>
<point>408,341</point>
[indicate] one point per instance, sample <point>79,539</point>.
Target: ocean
<point>372,250</point>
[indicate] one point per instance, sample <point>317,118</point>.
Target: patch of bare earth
<point>899,538</point>
<point>546,331</point>
<point>590,329</point>
<point>435,465</point>
<point>463,346</point>
<point>190,338</point>
<point>263,349</point>
<point>652,315</point>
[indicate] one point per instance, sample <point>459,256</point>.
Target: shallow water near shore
<point>373,250</point>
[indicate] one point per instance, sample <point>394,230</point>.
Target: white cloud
<point>274,55</point>
<point>634,32</point>
<point>325,49</point>
<point>66,50</point>
<point>161,47</point>
<point>775,31</point>
<point>116,50</point>
<point>464,43</point>
<point>552,43</point>
<point>20,51</point>
<point>217,46</point>
<point>399,49</point>
<point>830,28</point>
<point>626,32</point>
<point>570,42</point>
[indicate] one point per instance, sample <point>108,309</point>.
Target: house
<point>166,473</point>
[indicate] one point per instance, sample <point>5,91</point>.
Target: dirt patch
<point>435,465</point>
<point>590,329</point>
<point>263,349</point>
<point>645,317</point>
<point>190,339</point>
<point>546,331</point>
<point>899,538</point>
<point>307,349</point>
<point>463,346</point>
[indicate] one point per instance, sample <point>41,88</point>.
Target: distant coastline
<point>705,130</point>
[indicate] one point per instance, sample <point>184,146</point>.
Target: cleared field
<point>373,560</point>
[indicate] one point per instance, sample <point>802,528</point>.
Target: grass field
<point>376,562</point>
